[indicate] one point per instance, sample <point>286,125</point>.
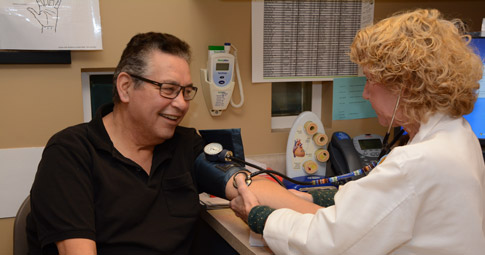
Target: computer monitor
<point>477,117</point>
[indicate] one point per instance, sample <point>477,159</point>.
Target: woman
<point>426,197</point>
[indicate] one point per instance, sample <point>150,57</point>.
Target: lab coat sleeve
<point>370,216</point>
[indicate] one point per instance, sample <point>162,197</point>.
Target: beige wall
<point>39,100</point>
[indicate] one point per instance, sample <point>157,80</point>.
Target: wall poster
<point>50,25</point>
<point>305,40</point>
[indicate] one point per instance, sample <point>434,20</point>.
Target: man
<point>124,183</point>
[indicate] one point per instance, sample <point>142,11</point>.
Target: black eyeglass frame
<point>160,85</point>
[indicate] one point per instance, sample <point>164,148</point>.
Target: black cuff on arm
<point>212,177</point>
<point>257,217</point>
<point>323,197</point>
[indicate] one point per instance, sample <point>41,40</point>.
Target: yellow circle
<point>322,155</point>
<point>310,167</point>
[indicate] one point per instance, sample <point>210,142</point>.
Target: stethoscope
<point>223,155</point>
<point>215,152</point>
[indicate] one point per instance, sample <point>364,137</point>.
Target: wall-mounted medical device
<point>218,79</point>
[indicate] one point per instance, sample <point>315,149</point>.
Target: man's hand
<point>245,201</point>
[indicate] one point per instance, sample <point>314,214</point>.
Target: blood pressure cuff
<point>212,177</point>
<point>230,139</point>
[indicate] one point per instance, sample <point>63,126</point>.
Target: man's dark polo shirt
<point>84,188</point>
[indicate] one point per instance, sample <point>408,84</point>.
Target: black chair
<point>20,246</point>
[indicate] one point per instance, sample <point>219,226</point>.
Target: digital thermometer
<point>221,69</point>
<point>219,82</point>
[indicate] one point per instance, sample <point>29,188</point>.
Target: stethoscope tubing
<point>332,180</point>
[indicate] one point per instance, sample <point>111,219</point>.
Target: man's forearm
<point>76,246</point>
<point>273,195</point>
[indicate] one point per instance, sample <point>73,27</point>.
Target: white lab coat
<point>425,198</point>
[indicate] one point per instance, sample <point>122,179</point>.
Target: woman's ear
<point>123,85</point>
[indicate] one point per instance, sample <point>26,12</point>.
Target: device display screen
<point>222,66</point>
<point>370,144</point>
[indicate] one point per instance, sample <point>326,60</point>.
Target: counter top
<point>233,230</point>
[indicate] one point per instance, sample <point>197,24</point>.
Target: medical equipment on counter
<point>219,164</point>
<point>310,129</point>
<point>215,153</point>
<point>306,148</point>
<point>368,146</point>
<point>212,174</point>
<point>347,153</point>
<point>218,79</point>
<point>302,183</point>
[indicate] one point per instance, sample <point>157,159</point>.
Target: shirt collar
<point>428,128</point>
<point>98,135</point>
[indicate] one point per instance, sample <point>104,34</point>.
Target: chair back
<point>20,245</point>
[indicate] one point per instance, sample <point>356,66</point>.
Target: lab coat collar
<point>428,128</point>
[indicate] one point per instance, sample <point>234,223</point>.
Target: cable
<point>333,180</point>
<point>239,81</point>
<point>257,167</point>
<point>386,137</point>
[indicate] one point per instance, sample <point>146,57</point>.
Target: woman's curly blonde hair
<point>425,55</point>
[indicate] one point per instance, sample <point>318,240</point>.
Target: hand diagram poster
<point>50,25</point>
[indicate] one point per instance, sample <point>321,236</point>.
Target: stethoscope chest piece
<point>247,178</point>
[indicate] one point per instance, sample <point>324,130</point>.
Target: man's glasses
<point>170,91</point>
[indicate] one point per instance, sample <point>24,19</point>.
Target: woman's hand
<point>245,201</point>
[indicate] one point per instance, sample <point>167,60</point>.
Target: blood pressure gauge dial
<point>215,152</point>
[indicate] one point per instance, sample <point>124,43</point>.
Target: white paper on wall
<point>17,171</point>
<point>50,25</point>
